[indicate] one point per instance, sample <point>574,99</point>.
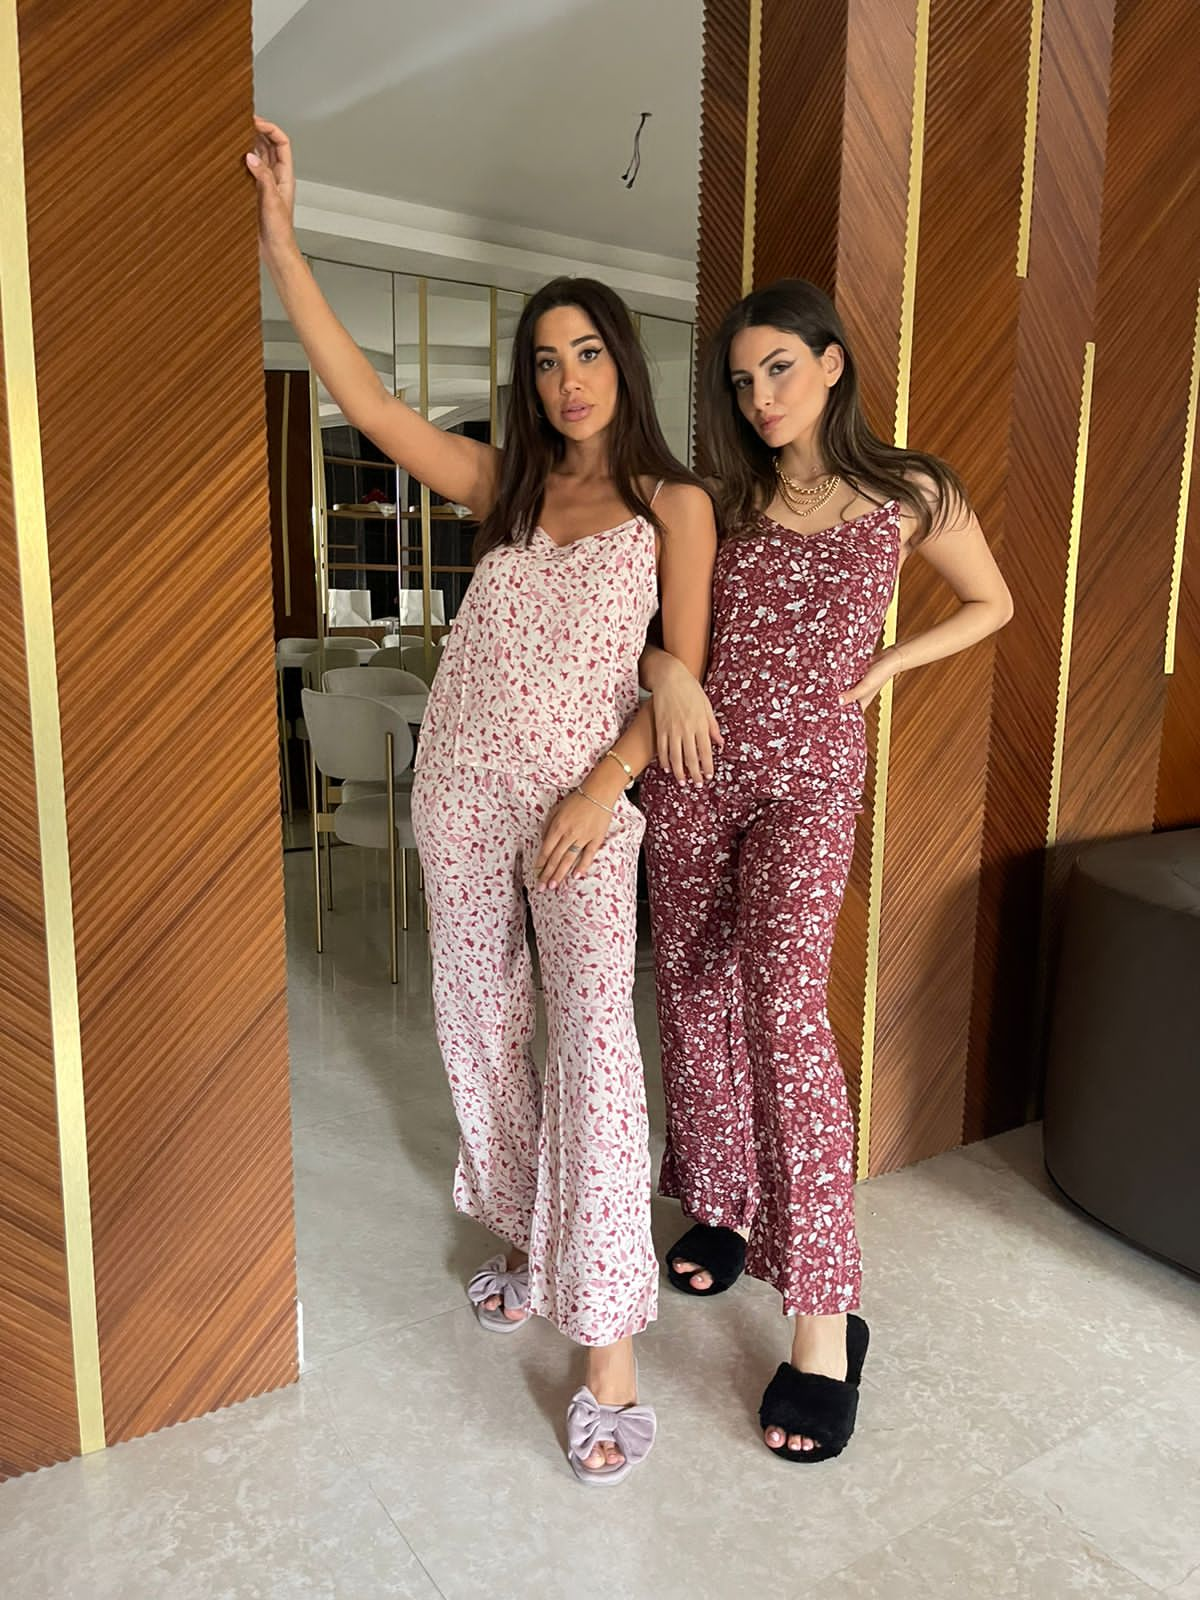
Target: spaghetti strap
<point>657,487</point>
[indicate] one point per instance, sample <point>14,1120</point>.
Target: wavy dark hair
<point>744,465</point>
<point>533,446</point>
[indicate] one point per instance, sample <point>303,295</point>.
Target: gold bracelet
<point>610,809</point>
<point>624,766</point>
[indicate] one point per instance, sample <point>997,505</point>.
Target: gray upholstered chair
<point>1123,1079</point>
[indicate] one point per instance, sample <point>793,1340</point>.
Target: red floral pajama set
<point>747,875</point>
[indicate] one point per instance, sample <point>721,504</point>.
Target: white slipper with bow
<point>590,1425</point>
<point>494,1280</point>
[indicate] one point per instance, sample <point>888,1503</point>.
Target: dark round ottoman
<point>1122,1132</point>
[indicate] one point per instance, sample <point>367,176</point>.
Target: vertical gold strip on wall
<point>1068,627</point>
<point>883,744</point>
<point>426,516</point>
<point>749,188</point>
<point>1037,1042</point>
<point>33,565</point>
<point>912,235</point>
<point>691,396</point>
<point>1032,89</point>
<point>1185,490</point>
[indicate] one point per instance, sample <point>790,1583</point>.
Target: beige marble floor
<point>1030,1419</point>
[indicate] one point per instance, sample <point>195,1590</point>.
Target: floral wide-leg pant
<point>560,1166</point>
<point>745,893</point>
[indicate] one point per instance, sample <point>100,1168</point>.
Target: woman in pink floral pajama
<point>532,734</point>
<point>748,868</point>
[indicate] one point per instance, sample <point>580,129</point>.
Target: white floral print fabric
<point>796,619</point>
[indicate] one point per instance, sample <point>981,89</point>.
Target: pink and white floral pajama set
<point>538,679</point>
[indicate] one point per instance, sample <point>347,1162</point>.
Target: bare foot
<point>818,1345</point>
<point>513,1260</point>
<point>699,1277</point>
<point>612,1378</point>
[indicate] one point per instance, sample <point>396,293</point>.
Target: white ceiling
<point>512,112</point>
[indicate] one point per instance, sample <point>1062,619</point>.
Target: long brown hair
<point>744,464</point>
<point>533,446</point>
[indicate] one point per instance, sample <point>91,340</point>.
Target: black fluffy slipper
<point>721,1252</point>
<point>814,1406</point>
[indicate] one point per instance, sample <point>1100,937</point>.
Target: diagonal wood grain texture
<point>146,317</point>
<point>839,132</point>
<point>38,1424</point>
<point>997,365</point>
<point>1145,316</point>
<point>877,127</point>
<point>964,356</point>
<point>723,95</point>
<point>800,141</point>
<point>1057,314</point>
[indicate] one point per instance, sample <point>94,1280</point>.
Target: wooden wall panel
<point>964,354</point>
<point>150,368</point>
<point>1145,317</point>
<point>800,137</point>
<point>724,92</point>
<point>38,1424</point>
<point>872,227</point>
<point>966,927</point>
<point>876,130</point>
<point>836,139</point>
<point>1057,314</point>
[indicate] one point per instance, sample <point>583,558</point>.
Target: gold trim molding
<point>1068,627</point>
<point>1032,96</point>
<point>1037,1041</point>
<point>883,743</point>
<point>1185,491</point>
<point>750,185</point>
<point>33,562</point>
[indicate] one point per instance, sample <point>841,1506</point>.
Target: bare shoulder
<point>684,503</point>
<point>950,511</point>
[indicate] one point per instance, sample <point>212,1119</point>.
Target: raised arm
<point>458,469</point>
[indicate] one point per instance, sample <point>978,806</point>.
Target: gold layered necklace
<point>801,498</point>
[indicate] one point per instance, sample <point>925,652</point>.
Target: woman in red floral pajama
<point>532,735</point>
<point>748,865</point>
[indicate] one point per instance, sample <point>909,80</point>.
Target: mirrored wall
<point>391,558</point>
